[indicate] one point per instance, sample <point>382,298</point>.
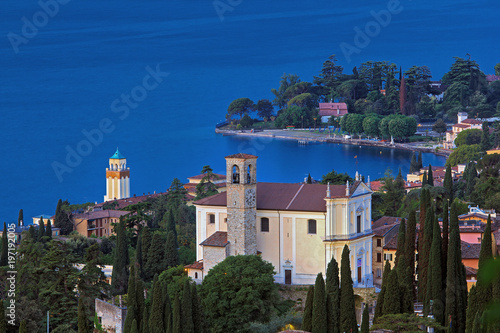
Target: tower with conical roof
<point>117,178</point>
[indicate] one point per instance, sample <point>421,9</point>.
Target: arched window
<point>116,166</point>
<point>236,175</point>
<point>264,224</point>
<point>249,174</point>
<point>211,218</point>
<point>311,226</point>
<point>195,275</point>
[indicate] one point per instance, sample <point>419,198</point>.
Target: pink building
<point>326,110</point>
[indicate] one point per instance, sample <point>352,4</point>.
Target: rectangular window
<point>264,224</point>
<point>288,276</point>
<point>211,218</point>
<point>358,224</point>
<point>379,272</point>
<point>388,257</point>
<point>379,257</point>
<point>311,226</point>
<point>379,242</point>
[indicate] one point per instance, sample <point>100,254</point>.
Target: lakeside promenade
<point>305,136</point>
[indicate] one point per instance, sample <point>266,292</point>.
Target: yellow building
<point>493,151</point>
<point>97,223</point>
<point>44,218</point>
<point>117,178</point>
<point>296,227</point>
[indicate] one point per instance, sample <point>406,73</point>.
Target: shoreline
<point>306,136</point>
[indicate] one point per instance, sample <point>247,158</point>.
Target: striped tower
<point>117,178</point>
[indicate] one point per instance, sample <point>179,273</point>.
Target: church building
<point>296,227</point>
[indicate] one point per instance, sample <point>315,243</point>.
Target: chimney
<point>328,191</point>
<point>347,188</point>
<point>356,177</point>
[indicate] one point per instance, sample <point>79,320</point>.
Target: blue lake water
<point>65,78</point>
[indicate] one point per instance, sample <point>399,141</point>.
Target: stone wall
<point>112,317</point>
<point>212,255</point>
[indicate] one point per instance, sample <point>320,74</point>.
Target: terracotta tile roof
<point>392,244</point>
<point>376,185</point>
<point>461,125</point>
<point>216,176</point>
<point>285,196</point>
<point>101,214</point>
<point>332,109</point>
<point>470,251</point>
<point>196,265</point>
<point>386,220</point>
<point>242,156</point>
<point>122,203</point>
<point>218,238</point>
<point>383,230</point>
<point>470,271</point>
<point>472,121</point>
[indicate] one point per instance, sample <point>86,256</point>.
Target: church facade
<point>296,227</point>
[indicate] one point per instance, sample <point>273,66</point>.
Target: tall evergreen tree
<point>156,324</point>
<point>139,293</point>
<point>132,310</point>
<point>319,324</point>
<point>434,277</point>
<point>430,177</point>
<point>456,285</point>
<point>20,218</point>
<point>485,137</point>
<point>145,245</point>
<point>197,311</point>
<point>83,321</point>
<point>32,233</point>
<point>365,322</point>
<point>171,253</point>
<point>309,179</point>
<point>144,327</point>
<point>156,257</point>
<point>333,298</point>
<point>138,254</point>
<point>167,316</point>
<point>119,277</point>
<point>419,160</point>
<point>176,316</point>
<point>48,230</point>
<point>448,183</point>
<point>134,327</point>
<point>171,225</point>
<point>379,308</point>
<point>187,309</point>
<point>5,247</point>
<point>407,291</point>
<point>400,249</point>
<point>446,232</point>
<point>413,164</point>
<point>62,220</point>
<point>472,309</point>
<point>424,179</point>
<point>470,177</point>
<point>307,320</point>
<point>392,296</point>
<point>423,255</point>
<point>410,249</point>
<point>41,229</point>
<point>424,205</point>
<point>347,307</point>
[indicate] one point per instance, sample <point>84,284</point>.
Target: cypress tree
<point>134,327</point>
<point>32,233</point>
<point>420,163</point>
<point>470,176</point>
<point>171,252</point>
<point>138,254</point>
<point>20,217</point>
<point>197,314</point>
<point>145,245</point>
<point>407,291</point>
<point>485,137</point>
<point>379,308</point>
<point>456,284</point>
<point>365,323</point>
<point>309,179</point>
<point>48,231</point>
<point>472,309</point>
<point>144,327</point>
<point>320,324</point>
<point>23,328</point>
<point>41,229</point>
<point>434,276</point>
<point>5,247</point>
<point>347,306</point>
<point>444,250</point>
<point>413,164</point>
<point>430,177</point>
<point>176,316</point>
<point>308,310</point>
<point>119,277</point>
<point>156,324</point>
<point>131,302</point>
<point>477,324</point>
<point>392,297</point>
<point>424,205</point>
<point>400,249</point>
<point>167,309</point>
<point>423,255</point>
<point>424,179</point>
<point>333,296</point>
<point>139,293</point>
<point>156,256</point>
<point>410,249</point>
<point>187,309</point>
<point>448,183</point>
<point>83,325</point>
<point>171,225</point>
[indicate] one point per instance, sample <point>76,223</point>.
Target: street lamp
<point>314,123</point>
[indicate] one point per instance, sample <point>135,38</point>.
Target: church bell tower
<point>241,203</point>
<point>117,178</point>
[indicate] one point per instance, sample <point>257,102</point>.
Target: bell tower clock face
<point>250,197</point>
